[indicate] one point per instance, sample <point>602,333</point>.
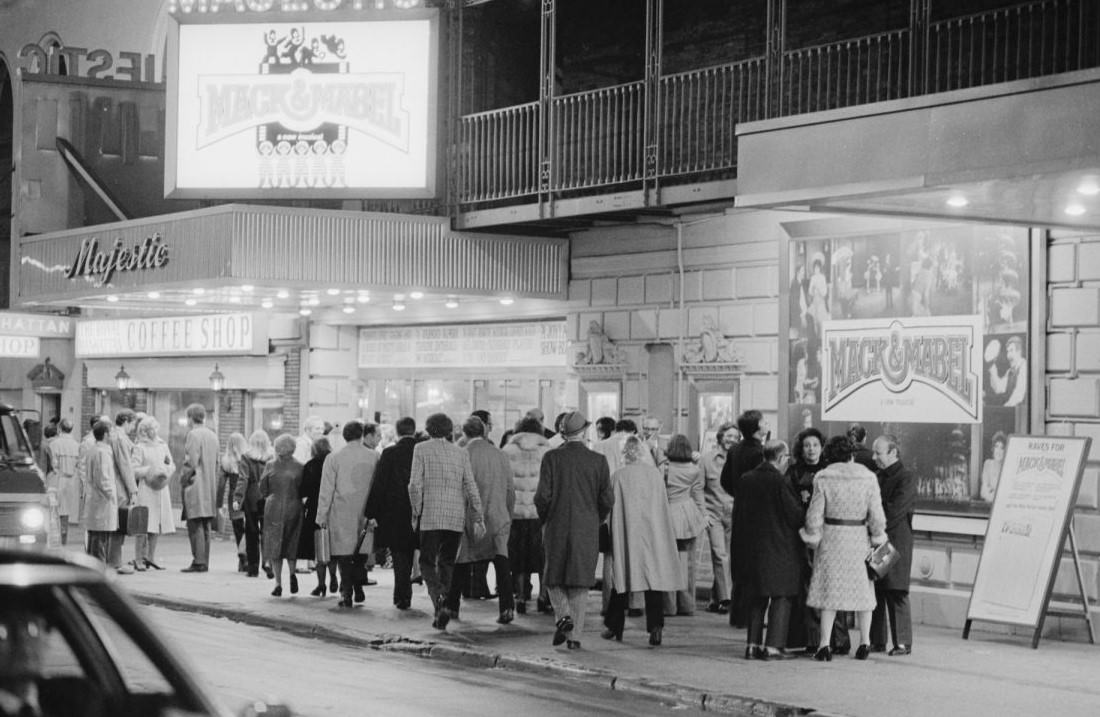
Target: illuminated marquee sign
<point>918,370</point>
<point>469,345</point>
<point>171,336</point>
<point>284,110</point>
<point>188,7</point>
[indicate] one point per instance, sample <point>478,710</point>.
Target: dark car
<point>24,503</point>
<point>73,644</point>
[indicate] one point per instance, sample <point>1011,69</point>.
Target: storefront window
<point>895,298</point>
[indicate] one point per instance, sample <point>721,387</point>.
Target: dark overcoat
<point>898,486</point>
<point>388,502</point>
<point>309,490</point>
<point>743,457</point>
<point>773,514</point>
<point>572,499</point>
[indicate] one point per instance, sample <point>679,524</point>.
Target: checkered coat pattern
<point>441,485</point>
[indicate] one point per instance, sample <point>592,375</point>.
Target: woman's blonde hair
<point>148,428</point>
<point>632,449</point>
<point>259,446</point>
<point>236,446</point>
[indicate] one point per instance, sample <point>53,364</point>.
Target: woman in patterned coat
<point>844,520</point>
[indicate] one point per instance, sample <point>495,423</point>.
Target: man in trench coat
<point>773,551</point>
<point>200,502</point>
<point>345,484</point>
<point>573,497</point>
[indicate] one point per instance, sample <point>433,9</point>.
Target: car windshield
<point>13,443</point>
<point>75,649</point>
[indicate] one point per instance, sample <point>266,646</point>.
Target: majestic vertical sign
<point>917,369</point>
<point>303,109</point>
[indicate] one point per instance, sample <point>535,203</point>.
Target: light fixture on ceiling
<point>217,380</point>
<point>333,292</point>
<point>507,301</point>
<point>199,291</point>
<point>113,299</point>
<point>1089,187</point>
<point>267,303</point>
<point>154,294</point>
<point>247,288</point>
<point>305,311</point>
<point>418,295</point>
<point>122,379</point>
<point>190,302</point>
<point>957,201</point>
<point>1075,209</point>
<point>313,301</point>
<point>398,305</point>
<point>234,299</point>
<point>363,298</point>
<point>349,309</point>
<point>282,293</point>
<point>451,303</point>
<point>349,299</point>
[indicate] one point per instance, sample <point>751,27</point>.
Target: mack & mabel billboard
<point>309,109</point>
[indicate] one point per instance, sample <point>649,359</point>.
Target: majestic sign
<point>171,336</point>
<point>19,346</point>
<point>488,346</point>
<point>93,264</point>
<point>299,110</point>
<point>917,369</point>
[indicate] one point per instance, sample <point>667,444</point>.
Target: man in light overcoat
<point>100,517</point>
<point>122,450</point>
<point>201,488</point>
<point>341,505</point>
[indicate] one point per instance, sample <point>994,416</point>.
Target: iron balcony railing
<point>599,138</point>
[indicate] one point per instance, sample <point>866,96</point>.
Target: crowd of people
<point>788,528</point>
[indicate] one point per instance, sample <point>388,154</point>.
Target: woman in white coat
<point>154,465</point>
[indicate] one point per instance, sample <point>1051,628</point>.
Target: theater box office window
<point>920,331</point>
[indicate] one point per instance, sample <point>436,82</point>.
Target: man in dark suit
<point>388,504</point>
<point>898,486</point>
<point>774,550</point>
<point>743,457</point>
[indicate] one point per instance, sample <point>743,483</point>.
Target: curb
<point>664,692</point>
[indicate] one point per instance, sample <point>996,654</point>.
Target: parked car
<point>81,647</point>
<point>24,503</point>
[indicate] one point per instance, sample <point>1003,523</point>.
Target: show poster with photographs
<point>865,289</point>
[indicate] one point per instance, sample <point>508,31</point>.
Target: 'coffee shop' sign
<point>98,266</point>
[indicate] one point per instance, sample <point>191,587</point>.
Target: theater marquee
<point>913,369</point>
<point>303,109</point>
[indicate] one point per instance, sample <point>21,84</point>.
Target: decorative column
<point>654,24</point>
<point>547,69</point>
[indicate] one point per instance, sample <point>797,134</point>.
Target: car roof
<point>27,567</point>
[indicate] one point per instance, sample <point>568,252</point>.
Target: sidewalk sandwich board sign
<point>1026,534</point>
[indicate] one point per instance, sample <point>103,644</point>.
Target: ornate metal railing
<point>599,138</point>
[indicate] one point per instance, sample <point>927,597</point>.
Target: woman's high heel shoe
<point>293,584</point>
<point>823,654</point>
<point>862,652</point>
<point>318,591</point>
<point>278,591</point>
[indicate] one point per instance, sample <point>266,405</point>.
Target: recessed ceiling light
<point>507,301</point>
<point>190,302</point>
<point>247,288</point>
<point>349,309</point>
<point>958,201</point>
<point>1075,210</point>
<point>313,301</point>
<point>398,306</point>
<point>234,299</point>
<point>416,295</point>
<point>199,291</point>
<point>305,311</point>
<point>363,298</point>
<point>267,303</point>
<point>154,294</point>
<point>282,293</point>
<point>112,298</point>
<point>398,297</point>
<point>349,299</point>
<point>1089,187</point>
<point>333,292</point>
<point>452,303</point>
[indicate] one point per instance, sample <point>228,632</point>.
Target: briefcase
<point>133,520</point>
<point>322,551</point>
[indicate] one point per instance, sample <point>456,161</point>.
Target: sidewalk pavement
<point>700,663</point>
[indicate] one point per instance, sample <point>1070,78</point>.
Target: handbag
<point>156,481</point>
<point>322,551</point>
<point>879,560</point>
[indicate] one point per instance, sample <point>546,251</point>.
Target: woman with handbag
<point>230,464</point>
<point>844,519</point>
<point>154,465</point>
<point>280,489</point>
<point>246,498</point>
<point>688,508</point>
<point>311,489</point>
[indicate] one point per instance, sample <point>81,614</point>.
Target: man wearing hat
<point>573,498</point>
